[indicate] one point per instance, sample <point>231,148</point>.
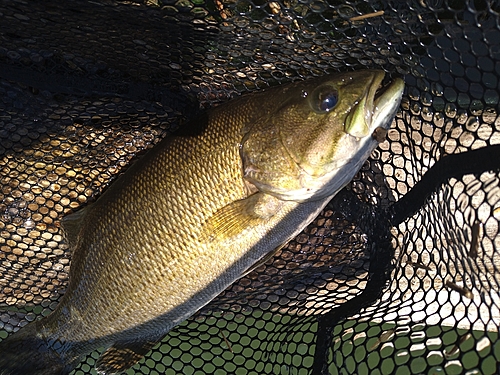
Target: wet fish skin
<point>196,212</point>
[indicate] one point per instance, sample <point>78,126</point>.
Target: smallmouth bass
<point>197,211</point>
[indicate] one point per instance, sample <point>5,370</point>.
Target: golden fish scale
<point>139,253</point>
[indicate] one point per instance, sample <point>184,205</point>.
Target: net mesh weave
<point>399,274</point>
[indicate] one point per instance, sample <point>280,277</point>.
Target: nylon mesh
<point>399,274</point>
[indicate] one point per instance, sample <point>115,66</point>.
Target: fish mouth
<point>386,100</point>
<point>375,106</point>
<point>381,89</point>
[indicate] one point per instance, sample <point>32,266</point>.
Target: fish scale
<point>197,212</point>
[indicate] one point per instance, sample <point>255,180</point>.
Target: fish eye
<point>324,99</point>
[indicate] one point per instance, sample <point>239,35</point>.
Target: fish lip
<point>359,122</point>
<point>386,99</point>
<point>375,92</point>
<point>381,89</point>
<point>377,86</point>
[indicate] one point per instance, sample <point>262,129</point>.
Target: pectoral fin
<point>234,218</point>
<point>122,356</point>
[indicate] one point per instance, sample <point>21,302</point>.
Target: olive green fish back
<point>399,274</point>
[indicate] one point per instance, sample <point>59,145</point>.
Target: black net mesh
<point>399,274</point>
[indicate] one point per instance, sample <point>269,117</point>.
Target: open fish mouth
<point>386,100</point>
<point>383,86</point>
<point>376,108</point>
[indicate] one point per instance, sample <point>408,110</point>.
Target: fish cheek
<point>265,161</point>
<point>312,139</point>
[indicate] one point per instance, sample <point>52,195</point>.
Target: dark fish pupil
<point>323,99</point>
<point>328,100</point>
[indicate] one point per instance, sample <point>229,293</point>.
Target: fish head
<point>313,136</point>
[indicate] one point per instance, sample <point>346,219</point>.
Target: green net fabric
<point>400,274</point>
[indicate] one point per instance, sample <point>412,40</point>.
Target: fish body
<point>196,212</point>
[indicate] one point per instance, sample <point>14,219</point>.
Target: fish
<point>197,212</point>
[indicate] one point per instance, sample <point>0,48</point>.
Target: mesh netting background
<point>374,285</point>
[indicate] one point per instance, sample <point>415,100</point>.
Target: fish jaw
<point>386,104</point>
<point>377,107</point>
